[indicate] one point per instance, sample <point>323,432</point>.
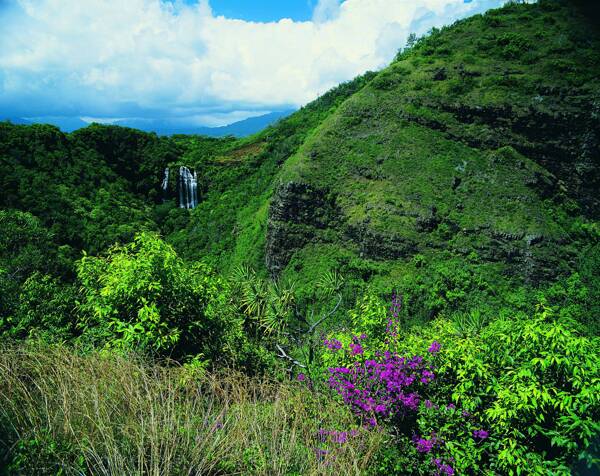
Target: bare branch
<point>283,355</point>
<point>314,326</point>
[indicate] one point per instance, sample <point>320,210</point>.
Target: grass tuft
<point>63,413</point>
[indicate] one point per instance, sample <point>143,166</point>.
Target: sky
<point>198,62</point>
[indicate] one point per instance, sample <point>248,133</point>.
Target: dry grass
<point>110,415</point>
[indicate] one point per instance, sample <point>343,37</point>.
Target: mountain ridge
<point>242,128</point>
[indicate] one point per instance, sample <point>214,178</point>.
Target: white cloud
<point>326,10</point>
<point>147,58</point>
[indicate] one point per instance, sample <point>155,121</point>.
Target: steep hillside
<point>236,182</point>
<point>466,168</point>
<point>478,148</point>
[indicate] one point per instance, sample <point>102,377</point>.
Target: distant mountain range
<point>166,127</point>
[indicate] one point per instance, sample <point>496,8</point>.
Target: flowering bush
<point>390,390</point>
<point>383,388</point>
<point>519,393</point>
<point>526,392</point>
<point>386,389</point>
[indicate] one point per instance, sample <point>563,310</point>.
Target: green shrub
<point>533,383</point>
<point>45,310</point>
<point>143,296</point>
<point>513,45</point>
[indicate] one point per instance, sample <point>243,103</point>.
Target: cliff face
<point>299,214</point>
<point>482,143</point>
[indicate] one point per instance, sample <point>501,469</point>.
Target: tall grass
<point>61,412</point>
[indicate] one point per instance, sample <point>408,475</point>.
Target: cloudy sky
<point>204,62</point>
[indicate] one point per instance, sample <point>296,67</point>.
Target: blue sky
<point>204,62</point>
<point>264,10</point>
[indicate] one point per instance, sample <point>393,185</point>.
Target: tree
<point>143,296</point>
<point>411,41</point>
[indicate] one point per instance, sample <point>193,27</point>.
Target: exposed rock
<point>533,239</point>
<point>456,182</point>
<point>380,246</point>
<point>563,138</point>
<point>429,222</point>
<point>504,235</point>
<point>297,213</point>
<point>464,73</point>
<point>440,74</point>
<point>544,184</point>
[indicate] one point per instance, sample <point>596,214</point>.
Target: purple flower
<point>340,437</point>
<point>443,468</point>
<point>320,454</point>
<point>380,387</point>
<point>447,469</point>
<point>428,404</point>
<point>481,434</point>
<point>356,349</point>
<point>450,406</point>
<point>424,445</point>
<point>332,344</point>
<point>301,377</point>
<point>363,336</point>
<point>434,348</point>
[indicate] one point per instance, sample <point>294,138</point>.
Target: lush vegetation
<point>402,277</point>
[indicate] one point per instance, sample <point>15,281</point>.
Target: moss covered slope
<point>479,146</point>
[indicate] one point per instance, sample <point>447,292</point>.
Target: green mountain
<point>477,149</point>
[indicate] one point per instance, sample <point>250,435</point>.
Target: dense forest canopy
<point>459,185</point>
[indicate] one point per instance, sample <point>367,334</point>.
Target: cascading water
<point>165,184</point>
<point>188,188</point>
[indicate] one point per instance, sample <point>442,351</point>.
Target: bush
<point>488,397</point>
<point>532,382</point>
<point>513,45</point>
<point>26,247</point>
<point>45,310</point>
<point>143,296</point>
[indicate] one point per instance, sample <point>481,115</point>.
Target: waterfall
<point>165,184</point>
<point>188,188</point>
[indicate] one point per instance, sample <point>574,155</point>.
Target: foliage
<point>269,306</point>
<point>27,251</point>
<point>532,382</point>
<point>87,188</point>
<point>498,397</point>
<point>46,310</point>
<point>446,181</point>
<point>142,295</point>
<point>578,296</point>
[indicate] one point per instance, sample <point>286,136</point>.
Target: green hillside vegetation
<point>456,153</point>
<point>253,334</point>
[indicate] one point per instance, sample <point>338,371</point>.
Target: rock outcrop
<point>298,214</point>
